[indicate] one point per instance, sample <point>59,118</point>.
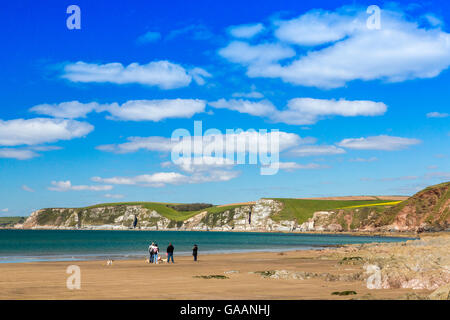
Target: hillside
<point>428,210</point>
<point>9,222</point>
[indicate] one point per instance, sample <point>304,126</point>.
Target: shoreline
<point>135,279</point>
<point>393,234</point>
<point>291,275</point>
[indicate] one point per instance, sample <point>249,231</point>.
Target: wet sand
<point>136,279</point>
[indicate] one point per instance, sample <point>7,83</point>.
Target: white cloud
<point>291,166</point>
<point>40,130</point>
<point>161,179</point>
<point>245,141</point>
<point>317,151</point>
<point>26,188</point>
<point>195,31</point>
<point>157,179</point>
<point>199,75</point>
<point>163,74</point>
<point>139,143</point>
<point>371,159</point>
<point>399,51</point>
<point>19,154</point>
<point>68,110</point>
<point>317,27</point>
<point>257,55</point>
<point>114,196</point>
<point>156,110</point>
<point>302,111</point>
<point>437,115</point>
<point>132,110</point>
<point>382,142</point>
<point>198,164</point>
<point>5,210</point>
<point>255,108</point>
<point>246,31</point>
<point>148,37</point>
<point>251,94</point>
<point>63,186</point>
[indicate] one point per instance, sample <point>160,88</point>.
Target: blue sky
<point>86,115</point>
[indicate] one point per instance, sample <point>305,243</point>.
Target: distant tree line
<point>189,206</point>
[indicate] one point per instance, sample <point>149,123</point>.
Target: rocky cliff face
<point>428,210</point>
<point>255,217</point>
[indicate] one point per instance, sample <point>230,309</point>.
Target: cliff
<point>428,210</point>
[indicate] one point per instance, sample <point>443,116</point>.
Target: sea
<point>18,246</point>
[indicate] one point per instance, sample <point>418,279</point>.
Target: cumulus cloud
<point>18,154</point>
<point>195,31</point>
<point>139,143</point>
<point>161,179</point>
<point>244,142</point>
<point>301,111</point>
<point>255,108</point>
<point>251,94</point>
<point>63,186</point>
<point>198,164</point>
<point>334,48</point>
<point>246,31</point>
<point>317,27</point>
<point>148,37</point>
<point>157,179</point>
<point>381,142</point>
<point>256,55</point>
<point>40,130</point>
<point>156,110</point>
<point>162,74</point>
<point>291,166</point>
<point>68,110</point>
<point>199,75</point>
<point>132,110</point>
<point>316,151</point>
<point>437,115</point>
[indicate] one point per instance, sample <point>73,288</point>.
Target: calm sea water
<point>66,245</point>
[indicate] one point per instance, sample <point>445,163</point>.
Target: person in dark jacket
<point>170,249</point>
<point>195,252</point>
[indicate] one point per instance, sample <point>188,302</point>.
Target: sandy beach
<point>135,279</point>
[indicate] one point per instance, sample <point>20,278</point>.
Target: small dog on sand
<point>109,262</point>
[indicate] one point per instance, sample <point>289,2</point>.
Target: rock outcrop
<point>428,210</point>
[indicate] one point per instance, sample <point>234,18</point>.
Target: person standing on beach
<point>150,251</point>
<point>195,252</point>
<point>170,252</point>
<point>155,253</point>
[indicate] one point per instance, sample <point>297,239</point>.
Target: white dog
<point>109,262</point>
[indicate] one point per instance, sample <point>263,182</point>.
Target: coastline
<point>135,279</point>
<point>300,274</point>
<point>394,234</point>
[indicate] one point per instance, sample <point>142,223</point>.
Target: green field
<point>164,210</point>
<point>8,222</point>
<point>303,209</point>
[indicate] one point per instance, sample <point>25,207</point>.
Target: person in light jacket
<point>155,253</point>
